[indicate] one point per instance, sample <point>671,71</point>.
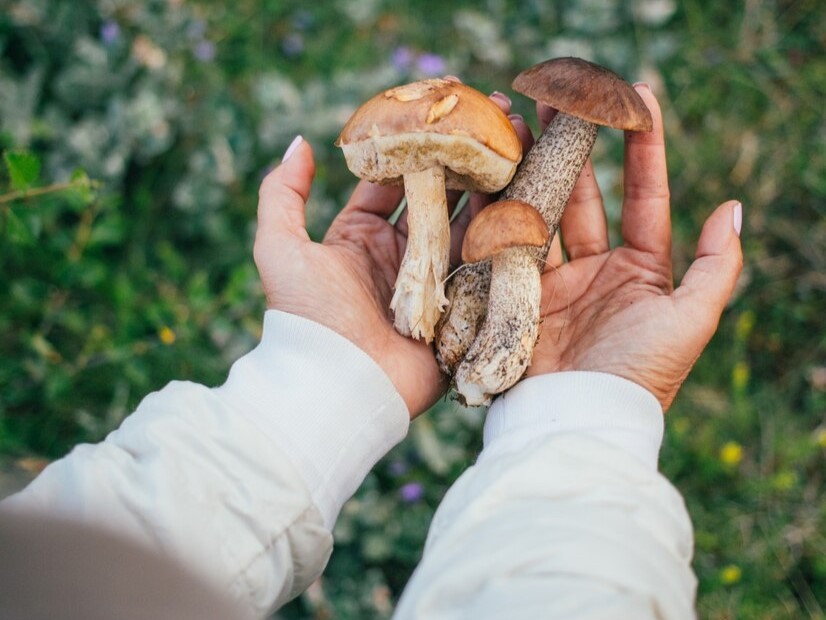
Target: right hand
<point>617,311</point>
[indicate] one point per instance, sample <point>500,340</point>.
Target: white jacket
<point>563,516</point>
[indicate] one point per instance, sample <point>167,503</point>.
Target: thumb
<point>710,280</point>
<point>283,195</point>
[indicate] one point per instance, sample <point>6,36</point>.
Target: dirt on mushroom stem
<point>545,179</point>
<point>502,349</point>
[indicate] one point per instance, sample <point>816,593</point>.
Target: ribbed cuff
<point>322,401</point>
<point>600,405</point>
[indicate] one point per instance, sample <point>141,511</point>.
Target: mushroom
<point>430,135</point>
<point>585,95</point>
<point>503,232</point>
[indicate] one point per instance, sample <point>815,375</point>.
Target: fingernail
<point>453,78</point>
<point>737,217</point>
<point>502,96</point>
<point>644,85</point>
<point>291,149</point>
<point>516,117</point>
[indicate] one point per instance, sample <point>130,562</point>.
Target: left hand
<point>346,282</point>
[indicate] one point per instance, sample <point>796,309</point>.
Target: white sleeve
<point>564,515</point>
<point>242,483</point>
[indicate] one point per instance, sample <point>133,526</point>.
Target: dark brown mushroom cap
<point>502,225</point>
<point>585,90</point>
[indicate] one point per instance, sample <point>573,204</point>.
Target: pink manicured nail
<point>516,117</point>
<point>501,96</point>
<point>291,149</point>
<point>645,85</point>
<point>737,217</point>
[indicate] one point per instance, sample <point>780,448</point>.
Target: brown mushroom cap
<point>587,91</point>
<point>502,225</point>
<point>431,123</point>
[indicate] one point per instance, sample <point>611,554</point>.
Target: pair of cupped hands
<point>606,310</point>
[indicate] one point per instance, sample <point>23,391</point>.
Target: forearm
<point>243,482</point>
<point>563,514</point>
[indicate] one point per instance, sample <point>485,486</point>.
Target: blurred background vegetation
<point>134,134</point>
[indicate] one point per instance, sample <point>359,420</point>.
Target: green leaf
<point>23,167</point>
<point>82,192</point>
<point>17,230</point>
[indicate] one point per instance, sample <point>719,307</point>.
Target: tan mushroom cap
<point>585,90</point>
<point>502,225</point>
<point>431,123</point>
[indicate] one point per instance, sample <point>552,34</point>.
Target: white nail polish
<point>291,149</point>
<point>737,217</point>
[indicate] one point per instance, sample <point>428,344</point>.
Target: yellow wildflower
<point>784,480</point>
<point>167,336</point>
<point>821,437</point>
<point>680,426</point>
<point>731,453</point>
<point>731,574</point>
<point>745,323</point>
<point>740,375</point>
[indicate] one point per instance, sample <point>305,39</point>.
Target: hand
<point>617,311</point>
<point>346,282</point>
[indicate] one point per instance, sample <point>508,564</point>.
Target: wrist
<point>602,405</point>
<point>321,401</point>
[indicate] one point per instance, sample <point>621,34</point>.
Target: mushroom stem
<point>419,297</point>
<point>545,180</point>
<point>503,347</point>
<point>546,177</point>
<point>467,295</point>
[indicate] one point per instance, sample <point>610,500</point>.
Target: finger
<point>555,257</point>
<point>453,198</point>
<point>381,200</point>
<point>584,227</point>
<point>710,280</point>
<point>545,114</point>
<point>476,202</point>
<point>646,218</point>
<point>502,100</point>
<point>523,131</point>
<point>283,194</point>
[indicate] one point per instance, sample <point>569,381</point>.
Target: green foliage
<point>138,270</point>
<point>23,168</point>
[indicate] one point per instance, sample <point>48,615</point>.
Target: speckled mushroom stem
<point>545,180</point>
<point>467,302</point>
<point>503,347</point>
<point>419,297</point>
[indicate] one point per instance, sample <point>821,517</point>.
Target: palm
<point>612,313</point>
<point>361,255</point>
<point>344,283</point>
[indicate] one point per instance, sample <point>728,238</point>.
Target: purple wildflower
<point>402,58</point>
<point>196,29</point>
<point>293,44</point>
<point>398,468</point>
<point>431,64</point>
<point>109,32</point>
<point>411,492</point>
<point>204,51</point>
